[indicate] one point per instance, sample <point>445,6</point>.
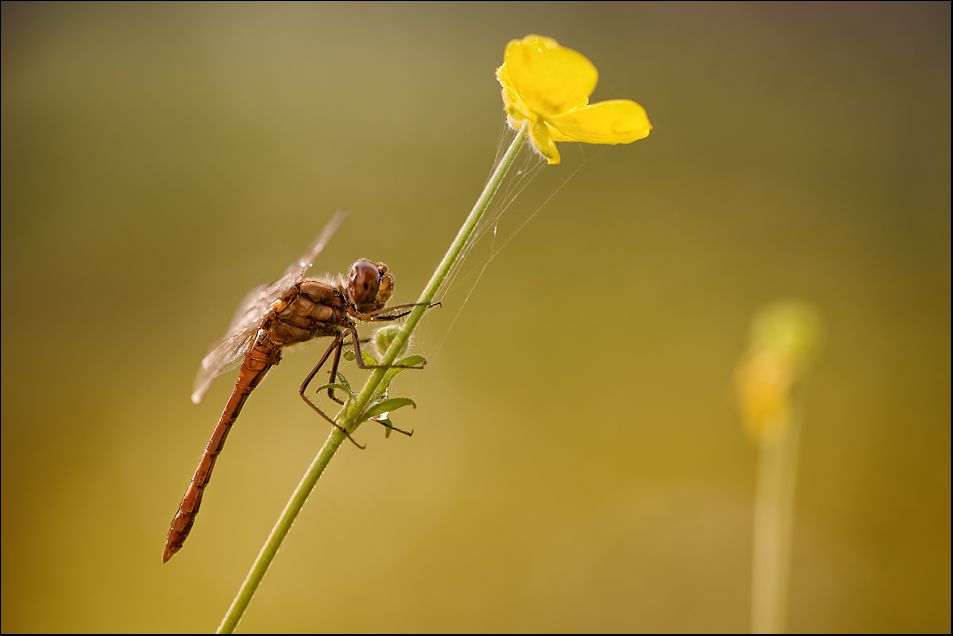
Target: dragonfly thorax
<point>314,308</point>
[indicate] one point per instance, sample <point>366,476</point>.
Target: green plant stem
<point>278,533</point>
<point>349,418</point>
<point>773,520</point>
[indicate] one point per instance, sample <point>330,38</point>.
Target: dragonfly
<point>291,311</point>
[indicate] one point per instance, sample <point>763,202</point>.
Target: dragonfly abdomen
<point>263,355</point>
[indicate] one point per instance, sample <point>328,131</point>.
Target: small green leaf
<point>412,361</point>
<point>344,381</point>
<point>409,361</point>
<point>368,359</point>
<point>340,387</point>
<point>387,406</point>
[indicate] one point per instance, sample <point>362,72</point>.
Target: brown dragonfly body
<point>292,311</point>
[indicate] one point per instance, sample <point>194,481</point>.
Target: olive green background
<point>578,462</point>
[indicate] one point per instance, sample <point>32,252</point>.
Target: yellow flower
<point>784,339</point>
<point>764,385</point>
<point>548,86</point>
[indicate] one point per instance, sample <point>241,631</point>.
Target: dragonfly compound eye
<point>363,283</point>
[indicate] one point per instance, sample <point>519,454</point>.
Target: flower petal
<point>540,135</point>
<point>513,103</point>
<point>619,121</point>
<point>549,79</point>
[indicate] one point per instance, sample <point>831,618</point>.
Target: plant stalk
<point>349,418</point>
<point>773,521</point>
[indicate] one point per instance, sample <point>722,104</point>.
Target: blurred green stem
<point>773,520</point>
<point>350,416</point>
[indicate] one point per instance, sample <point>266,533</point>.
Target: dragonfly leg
<point>360,359</point>
<point>335,345</point>
<point>334,371</point>
<point>394,428</point>
<point>381,315</point>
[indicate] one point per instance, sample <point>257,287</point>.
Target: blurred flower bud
<point>784,339</point>
<point>384,336</point>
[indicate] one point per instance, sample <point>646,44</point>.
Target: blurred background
<point>578,461</point>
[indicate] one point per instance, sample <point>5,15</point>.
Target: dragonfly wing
<point>254,302</point>
<point>228,353</point>
<point>222,359</point>
<point>251,311</point>
<point>297,270</point>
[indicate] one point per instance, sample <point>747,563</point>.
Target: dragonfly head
<point>369,286</point>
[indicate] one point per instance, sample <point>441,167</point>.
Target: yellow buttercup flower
<point>784,339</point>
<point>547,86</point>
